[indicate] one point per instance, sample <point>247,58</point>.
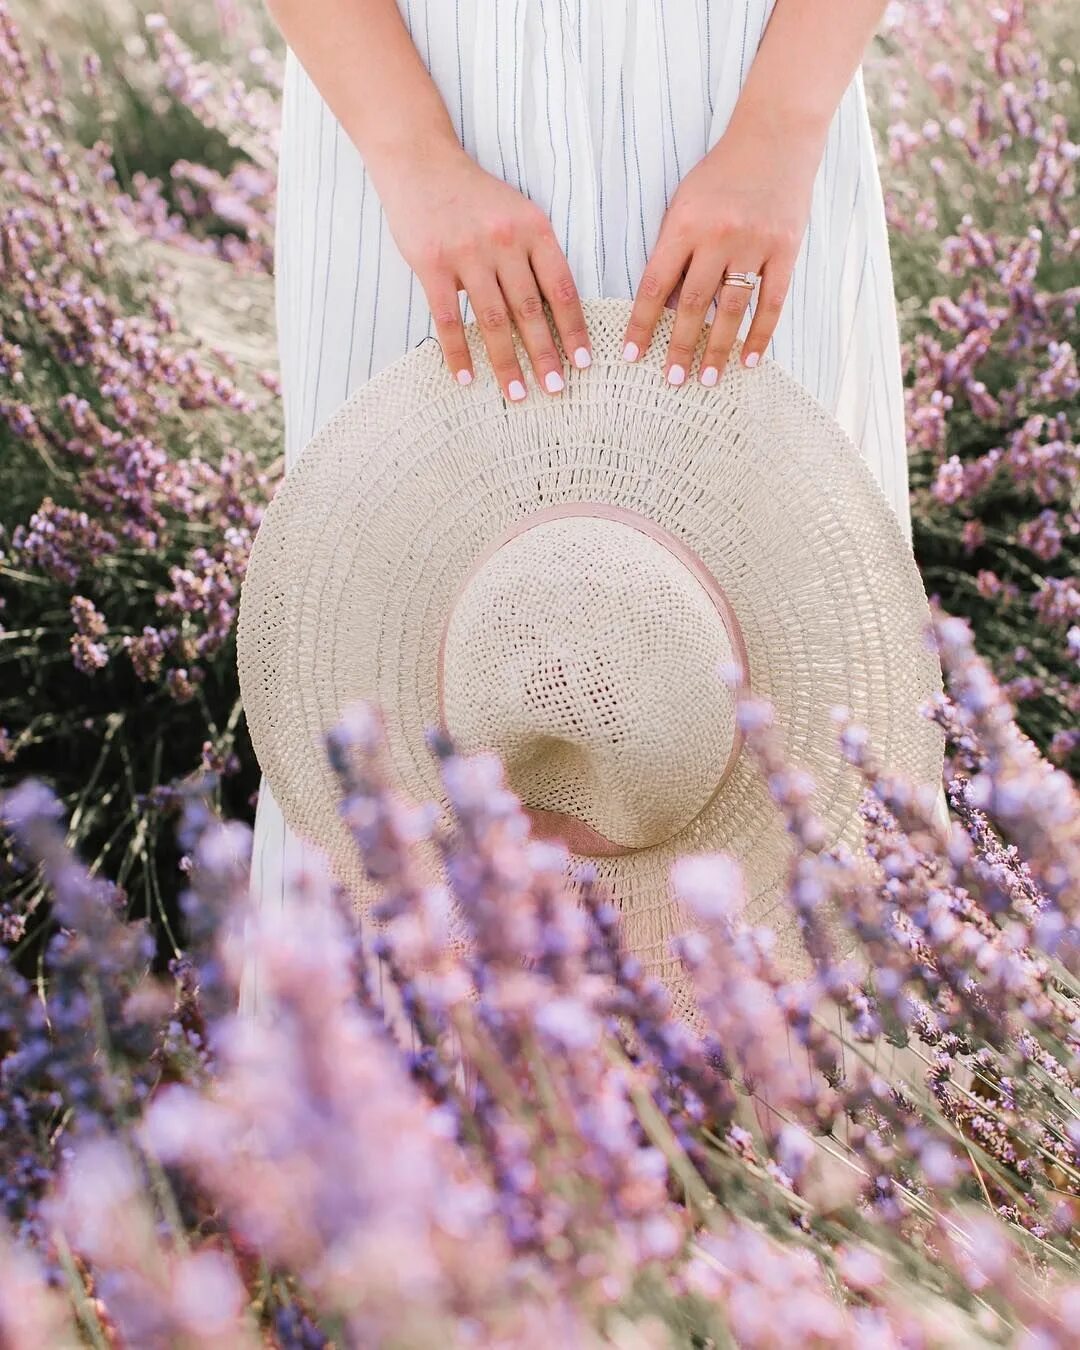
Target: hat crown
<point>584,651</point>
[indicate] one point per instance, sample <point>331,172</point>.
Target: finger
<point>521,289</point>
<point>494,319</point>
<point>695,296</point>
<point>660,277</point>
<point>731,305</point>
<point>445,306</point>
<point>557,285</point>
<point>772,292</point>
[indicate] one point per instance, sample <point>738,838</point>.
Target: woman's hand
<point>742,208</point>
<point>460,228</point>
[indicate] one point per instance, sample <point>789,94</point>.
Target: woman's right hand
<point>461,228</point>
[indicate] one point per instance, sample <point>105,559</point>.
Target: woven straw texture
<point>584,654</point>
<point>363,553</point>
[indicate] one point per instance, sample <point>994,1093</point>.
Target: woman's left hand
<point>742,208</point>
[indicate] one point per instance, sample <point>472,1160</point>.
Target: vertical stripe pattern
<point>592,110</point>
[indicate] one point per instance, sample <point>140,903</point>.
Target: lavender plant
<point>977,108</point>
<point>522,1136</point>
<point>186,97</point>
<point>135,463</point>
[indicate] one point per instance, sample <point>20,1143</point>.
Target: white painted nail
<point>517,390</point>
<point>676,375</point>
<point>752,359</point>
<point>553,381</point>
<point>464,377</point>
<point>708,375</point>
<point>630,351</point>
<point>582,358</point>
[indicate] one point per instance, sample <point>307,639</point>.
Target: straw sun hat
<point>562,581</point>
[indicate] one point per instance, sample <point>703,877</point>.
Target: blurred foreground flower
<point>478,1123</point>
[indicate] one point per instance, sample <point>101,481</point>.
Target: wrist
<point>416,148</point>
<point>782,122</point>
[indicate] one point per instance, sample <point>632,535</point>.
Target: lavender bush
<point>187,98</point>
<point>136,461</point>
<point>531,1143</point>
<point>977,108</point>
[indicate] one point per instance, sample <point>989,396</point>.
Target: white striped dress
<point>594,110</point>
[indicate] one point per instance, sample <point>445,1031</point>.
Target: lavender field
<point>534,1150</point>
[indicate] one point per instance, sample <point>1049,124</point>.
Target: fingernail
<point>582,358</point>
<point>630,351</point>
<point>709,375</point>
<point>752,359</point>
<point>676,375</point>
<point>553,381</point>
<point>464,377</point>
<point>517,390</point>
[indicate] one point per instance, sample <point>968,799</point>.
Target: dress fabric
<point>595,111</point>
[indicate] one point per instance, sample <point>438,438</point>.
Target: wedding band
<point>747,279</point>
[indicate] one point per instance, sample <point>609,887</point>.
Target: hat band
<point>576,834</point>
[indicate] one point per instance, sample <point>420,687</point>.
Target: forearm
<point>360,56</point>
<point>808,56</point>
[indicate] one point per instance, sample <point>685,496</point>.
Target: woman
<point>529,150</point>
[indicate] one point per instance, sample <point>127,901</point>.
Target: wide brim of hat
<point>369,535</point>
